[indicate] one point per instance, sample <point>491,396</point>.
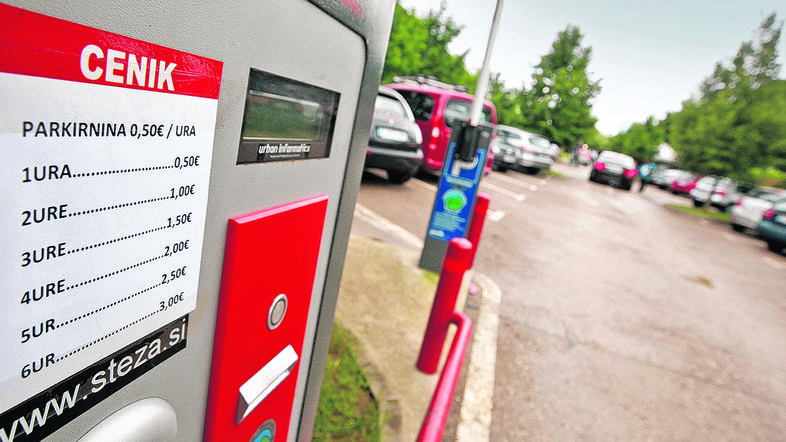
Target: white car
<point>747,213</point>
<point>535,151</point>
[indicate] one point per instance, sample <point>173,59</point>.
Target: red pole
<point>437,414</point>
<point>454,266</point>
<point>476,225</point>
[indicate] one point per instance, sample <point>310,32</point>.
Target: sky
<point>649,56</point>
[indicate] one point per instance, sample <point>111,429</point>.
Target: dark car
<point>394,141</point>
<point>614,168</point>
<point>772,227</point>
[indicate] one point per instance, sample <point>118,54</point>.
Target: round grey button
<point>277,311</point>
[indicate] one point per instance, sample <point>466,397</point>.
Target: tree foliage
<point>558,105</point>
<point>420,47</point>
<point>736,126</point>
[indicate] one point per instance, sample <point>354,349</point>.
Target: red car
<point>437,108</point>
<point>683,183</point>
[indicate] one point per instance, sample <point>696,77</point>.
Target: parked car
<point>582,156</point>
<point>614,168</point>
<point>683,183</point>
<point>533,151</point>
<point>747,212</point>
<point>437,108</point>
<point>555,151</point>
<point>395,139</point>
<point>772,227</point>
<point>506,155</point>
<point>702,192</point>
<point>727,192</point>
<point>663,176</point>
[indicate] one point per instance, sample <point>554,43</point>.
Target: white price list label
<point>103,208</point>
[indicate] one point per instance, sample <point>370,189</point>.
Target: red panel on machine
<point>259,333</point>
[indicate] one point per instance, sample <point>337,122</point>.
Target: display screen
<point>285,120</point>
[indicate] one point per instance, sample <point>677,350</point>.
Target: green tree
<point>737,124</point>
<point>420,47</point>
<point>558,103</point>
<point>752,67</point>
<point>508,113</point>
<point>641,141</point>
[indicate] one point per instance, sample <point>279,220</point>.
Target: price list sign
<point>105,153</point>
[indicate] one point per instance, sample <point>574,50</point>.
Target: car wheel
<point>698,204</point>
<point>398,177</point>
<point>737,228</point>
<point>773,246</point>
<point>627,187</point>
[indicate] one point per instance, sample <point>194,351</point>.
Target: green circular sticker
<point>454,200</point>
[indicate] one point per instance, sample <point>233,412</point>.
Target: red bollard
<point>437,414</point>
<point>476,225</point>
<point>454,266</point>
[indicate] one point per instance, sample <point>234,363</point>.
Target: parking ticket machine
<point>178,187</point>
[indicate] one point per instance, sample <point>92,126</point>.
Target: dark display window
<point>286,120</point>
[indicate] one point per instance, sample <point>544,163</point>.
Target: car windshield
<point>458,110</point>
<point>724,183</point>
<point>509,137</point>
<point>772,197</point>
<point>617,158</point>
<point>390,106</point>
<point>539,141</point>
<point>422,105</point>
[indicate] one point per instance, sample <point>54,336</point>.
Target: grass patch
<point>553,173</point>
<point>347,410</point>
<point>703,213</point>
<point>431,278</point>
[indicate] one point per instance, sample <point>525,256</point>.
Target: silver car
<point>534,151</point>
<point>747,213</point>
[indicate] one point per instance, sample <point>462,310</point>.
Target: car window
<point>509,137</point>
<point>780,205</point>
<point>390,106</point>
<point>422,105</point>
<point>724,183</point>
<point>458,110</point>
<point>617,158</point>
<point>772,197</point>
<point>539,141</point>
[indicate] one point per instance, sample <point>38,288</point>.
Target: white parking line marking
<point>516,182</point>
<point>495,215</point>
<point>502,190</point>
<point>475,424</point>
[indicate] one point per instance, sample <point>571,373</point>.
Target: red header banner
<point>41,46</point>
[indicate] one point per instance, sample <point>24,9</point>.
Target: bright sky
<point>649,55</point>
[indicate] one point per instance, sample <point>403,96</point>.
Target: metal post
<point>483,79</point>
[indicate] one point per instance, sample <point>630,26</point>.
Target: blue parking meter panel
<point>453,205</point>
<point>458,187</point>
